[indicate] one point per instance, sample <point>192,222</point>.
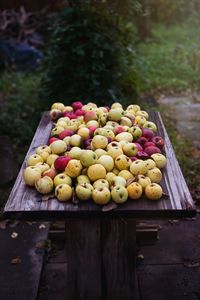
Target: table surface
<point>26,203</point>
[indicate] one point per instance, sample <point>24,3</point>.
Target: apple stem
<point>166,195</point>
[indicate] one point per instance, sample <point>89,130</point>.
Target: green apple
<point>75,140</point>
<point>58,147</point>
<point>153,191</point>
<point>116,105</point>
<point>119,194</point>
<point>101,195</point>
<point>51,158</point>
<point>84,191</point>
<point>115,114</point>
<point>135,131</point>
<point>118,180</point>
<point>122,162</point>
<point>100,152</point>
<point>100,183</point>
<point>42,166</point>
<point>130,149</point>
<point>73,168</point>
<point>109,177</point>
<point>138,167</point>
<point>62,178</point>
<point>124,136</point>
<point>125,122</point>
<point>150,125</point>
<point>150,163</point>
<point>88,158</point>
<point>106,161</point>
<point>160,160</point>
<point>126,174</point>
<point>115,151</point>
<point>44,185</point>
<point>57,130</point>
<point>155,175</point>
<point>99,142</point>
<point>84,132</point>
<point>63,192</point>
<point>34,159</point>
<point>82,179</point>
<point>58,105</point>
<point>133,107</point>
<point>75,152</point>
<point>134,190</point>
<point>143,180</point>
<point>31,175</point>
<point>43,148</point>
<point>96,171</point>
<point>142,113</point>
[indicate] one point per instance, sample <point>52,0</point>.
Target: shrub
<point>90,57</point>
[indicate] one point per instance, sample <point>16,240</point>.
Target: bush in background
<point>90,57</point>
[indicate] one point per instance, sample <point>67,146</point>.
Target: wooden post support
<point>100,259</point>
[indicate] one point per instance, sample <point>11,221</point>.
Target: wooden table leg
<point>100,259</point>
<point>118,259</point>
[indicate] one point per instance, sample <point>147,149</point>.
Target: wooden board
<point>25,202</point>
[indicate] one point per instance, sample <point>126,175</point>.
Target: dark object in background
<point>8,162</point>
<point>19,56</point>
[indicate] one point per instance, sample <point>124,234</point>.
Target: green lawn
<point>170,60</point>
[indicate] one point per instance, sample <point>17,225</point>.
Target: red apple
<point>118,129</point>
<point>50,172</point>
<point>140,148</point>
<point>70,115</point>
<point>79,112</point>
<point>142,155</point>
<point>151,150</point>
<point>52,139</point>
<point>90,115</point>
<point>66,132</point>
<point>92,129</point>
<point>61,162</point>
<point>147,133</point>
<point>142,140</point>
<point>133,158</point>
<point>77,105</point>
<point>148,144</point>
<point>158,141</point>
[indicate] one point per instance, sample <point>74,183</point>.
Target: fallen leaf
<point>109,206</point>
<point>48,196</point>
<point>14,235</point>
<point>43,244</point>
<point>192,264</point>
<point>42,226</point>
<point>140,256</point>
<point>15,261</point>
<point>129,181</point>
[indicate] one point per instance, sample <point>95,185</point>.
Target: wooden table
<point>100,245</point>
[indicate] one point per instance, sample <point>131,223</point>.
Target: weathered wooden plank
<point>25,202</point>
<point>118,259</point>
<point>83,260</point>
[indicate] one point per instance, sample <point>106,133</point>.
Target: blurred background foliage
<point>103,51</point>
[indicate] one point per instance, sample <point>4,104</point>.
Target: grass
<point>20,108</point>
<point>170,60</point>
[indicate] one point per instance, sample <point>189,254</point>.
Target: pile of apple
<point>98,154</point>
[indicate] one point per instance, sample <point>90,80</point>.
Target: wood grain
<point>25,202</point>
<point>118,259</point>
<point>83,253</point>
<point>100,259</point>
